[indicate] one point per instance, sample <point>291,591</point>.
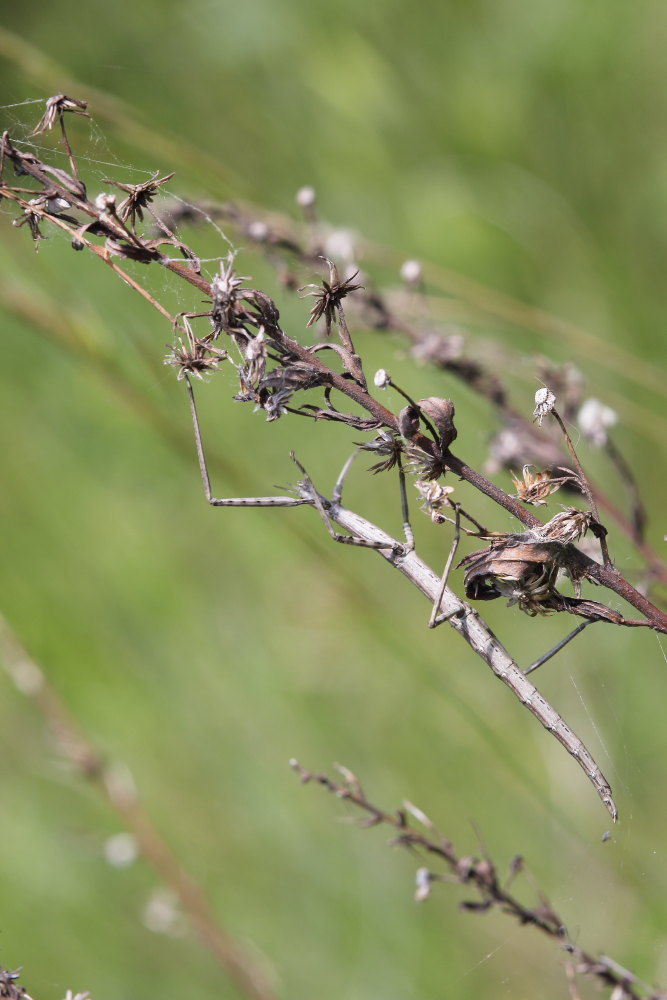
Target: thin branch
<point>482,876</point>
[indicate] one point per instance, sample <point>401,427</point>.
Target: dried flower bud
<point>411,272</point>
<point>441,413</point>
<point>594,420</point>
<point>381,379</point>
<point>545,401</point>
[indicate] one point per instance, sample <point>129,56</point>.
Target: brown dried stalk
<point>121,795</point>
<point>481,875</point>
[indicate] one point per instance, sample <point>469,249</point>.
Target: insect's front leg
<point>279,501</point>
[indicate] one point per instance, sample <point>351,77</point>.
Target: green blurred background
<point>522,145</point>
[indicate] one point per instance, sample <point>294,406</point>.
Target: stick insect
<point>460,615</point>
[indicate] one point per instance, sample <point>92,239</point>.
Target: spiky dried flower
<point>426,464</point>
<point>193,357</point>
<point>386,443</point>
<point>434,498</point>
<point>329,295</point>
<point>545,400</point>
<point>139,197</point>
<point>56,107</point>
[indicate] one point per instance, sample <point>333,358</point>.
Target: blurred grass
<point>521,146</point>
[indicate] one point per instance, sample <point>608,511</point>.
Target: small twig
<point>482,875</point>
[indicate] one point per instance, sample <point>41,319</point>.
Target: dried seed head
<point>594,420</point>
<point>545,401</point>
<point>193,357</point>
<point>567,526</point>
<point>329,295</point>
<point>139,196</point>
<point>535,486</point>
<point>381,379</point>
<point>56,108</point>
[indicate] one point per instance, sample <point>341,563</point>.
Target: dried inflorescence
<point>537,486</point>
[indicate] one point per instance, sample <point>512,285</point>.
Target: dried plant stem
<point>482,875</point>
<point>81,753</point>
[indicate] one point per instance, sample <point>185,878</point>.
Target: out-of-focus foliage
<point>520,144</point>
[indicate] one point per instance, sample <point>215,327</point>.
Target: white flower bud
<point>306,197</point>
<point>411,272</point>
<point>545,401</point>
<point>381,379</point>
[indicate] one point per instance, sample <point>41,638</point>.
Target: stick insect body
<point>446,605</point>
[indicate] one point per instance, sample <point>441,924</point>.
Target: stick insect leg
<point>407,527</point>
<point>557,648</point>
<point>337,494</point>
<point>230,501</point>
<point>436,618</point>
<point>320,503</point>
